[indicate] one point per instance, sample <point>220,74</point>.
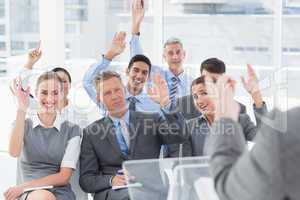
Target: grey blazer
<point>101,156</point>
<point>272,167</point>
<point>194,145</point>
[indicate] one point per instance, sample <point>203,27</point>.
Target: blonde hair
<point>49,76</point>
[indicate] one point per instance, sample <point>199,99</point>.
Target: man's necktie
<point>120,138</point>
<point>173,90</point>
<point>132,103</point>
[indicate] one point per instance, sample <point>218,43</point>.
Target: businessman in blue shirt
<point>137,72</point>
<point>177,79</point>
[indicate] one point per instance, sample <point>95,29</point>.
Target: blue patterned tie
<point>120,138</point>
<point>173,90</point>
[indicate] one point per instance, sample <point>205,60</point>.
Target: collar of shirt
<point>125,118</point>
<point>57,122</point>
<point>182,77</point>
<point>138,97</point>
<point>202,118</point>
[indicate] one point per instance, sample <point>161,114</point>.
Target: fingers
<point>27,91</point>
<point>251,71</point>
<point>138,4</point>
<point>38,46</point>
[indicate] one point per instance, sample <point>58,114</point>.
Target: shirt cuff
<point>110,181</point>
<point>105,61</point>
<point>135,37</point>
<point>262,109</point>
<point>167,108</point>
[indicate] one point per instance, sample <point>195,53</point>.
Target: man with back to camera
<point>272,166</point>
<point>124,135</point>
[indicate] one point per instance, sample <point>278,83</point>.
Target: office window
<point>74,14</point>
<point>2,46</point>
<point>32,45</point>
<point>2,29</point>
<point>17,45</point>
<point>70,28</point>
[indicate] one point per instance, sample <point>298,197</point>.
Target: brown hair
<point>199,80</point>
<point>105,76</point>
<point>49,76</point>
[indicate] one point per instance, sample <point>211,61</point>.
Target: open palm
<point>251,83</point>
<point>159,92</point>
<point>22,96</point>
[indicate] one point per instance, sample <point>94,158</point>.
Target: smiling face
<point>49,93</point>
<point>174,55</point>
<point>137,76</point>
<point>202,100</point>
<point>111,93</point>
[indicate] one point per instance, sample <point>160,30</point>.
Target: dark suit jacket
<point>101,156</point>
<point>185,105</point>
<point>272,166</point>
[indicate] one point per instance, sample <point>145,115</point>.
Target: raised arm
<point>26,72</point>
<point>251,85</point>
<point>171,127</point>
<point>117,47</point>
<point>138,12</point>
<point>230,158</point>
<point>17,133</point>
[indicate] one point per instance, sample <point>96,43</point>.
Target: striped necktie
<point>174,89</point>
<point>132,103</point>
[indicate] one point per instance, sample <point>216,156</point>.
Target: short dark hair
<point>60,69</point>
<point>139,58</point>
<point>199,80</point>
<point>103,76</point>
<point>213,65</point>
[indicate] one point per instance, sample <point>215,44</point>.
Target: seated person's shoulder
<point>94,126</point>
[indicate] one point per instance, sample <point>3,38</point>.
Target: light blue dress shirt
<point>144,102</point>
<point>185,81</point>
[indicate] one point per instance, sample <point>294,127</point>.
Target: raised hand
<point>222,92</point>
<point>138,13</point>
<point>251,83</point>
<point>117,46</point>
<point>21,95</point>
<point>159,93</point>
<point>33,56</point>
